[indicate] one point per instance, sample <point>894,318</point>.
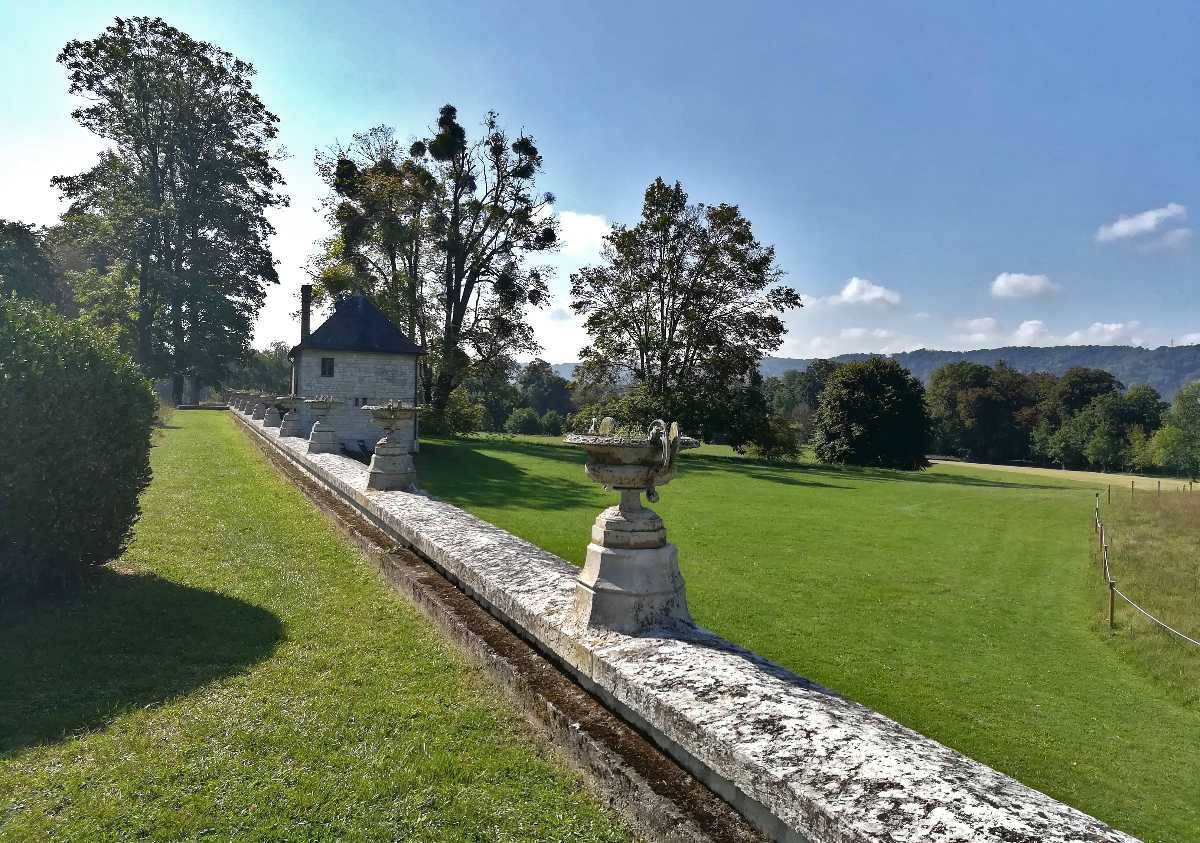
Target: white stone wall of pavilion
<point>359,378</point>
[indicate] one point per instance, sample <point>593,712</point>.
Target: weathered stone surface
<point>800,761</point>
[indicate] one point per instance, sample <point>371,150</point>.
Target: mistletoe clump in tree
<point>685,305</point>
<point>182,191</point>
<point>440,236</point>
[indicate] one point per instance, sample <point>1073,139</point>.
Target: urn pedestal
<point>289,424</point>
<point>324,437</point>
<point>630,580</point>
<point>392,465</point>
<point>271,417</point>
<point>260,408</point>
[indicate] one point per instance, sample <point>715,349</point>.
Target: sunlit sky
<point>946,175</point>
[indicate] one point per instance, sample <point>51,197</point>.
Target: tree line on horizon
<point>1084,418</point>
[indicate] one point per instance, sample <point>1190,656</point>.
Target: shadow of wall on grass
<point>129,641</point>
<point>466,476</point>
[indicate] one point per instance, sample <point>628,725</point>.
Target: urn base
<point>630,580</point>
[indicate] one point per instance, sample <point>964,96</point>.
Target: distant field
<point>1099,480</point>
<point>961,601</point>
<point>1154,555</point>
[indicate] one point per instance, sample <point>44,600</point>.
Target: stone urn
<point>260,407</point>
<point>289,422</point>
<point>392,464</point>
<point>324,438</point>
<point>272,417</point>
<point>630,580</point>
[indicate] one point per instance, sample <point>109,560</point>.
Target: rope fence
<point>1113,591</point>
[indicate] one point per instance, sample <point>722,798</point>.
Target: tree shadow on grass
<point>466,476</point>
<point>787,473</point>
<point>128,641</point>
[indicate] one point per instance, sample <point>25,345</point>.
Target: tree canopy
<point>872,413</point>
<point>685,303</point>
<point>440,235</point>
<point>182,191</point>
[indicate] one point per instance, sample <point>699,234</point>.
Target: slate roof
<point>358,325</point>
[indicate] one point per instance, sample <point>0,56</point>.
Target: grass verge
<point>1154,555</point>
<point>241,673</point>
<point>959,601</point>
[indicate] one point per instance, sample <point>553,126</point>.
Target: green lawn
<point>960,601</point>
<point>241,673</point>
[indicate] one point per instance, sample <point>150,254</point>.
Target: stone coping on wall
<point>799,761</point>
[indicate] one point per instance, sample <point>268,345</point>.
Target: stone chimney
<point>305,310</point>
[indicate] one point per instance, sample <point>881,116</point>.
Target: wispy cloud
<point>859,291</point>
<point>866,333</point>
<point>1176,238</point>
<point>1136,225</point>
<point>1020,285</point>
<point>1190,339</point>
<point>981,329</point>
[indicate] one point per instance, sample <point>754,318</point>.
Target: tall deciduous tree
<point>184,187</point>
<point>686,303</point>
<point>441,237</point>
<point>872,412</point>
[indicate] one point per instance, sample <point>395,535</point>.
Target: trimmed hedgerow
<point>77,417</point>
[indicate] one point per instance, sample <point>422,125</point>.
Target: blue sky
<point>948,175</point>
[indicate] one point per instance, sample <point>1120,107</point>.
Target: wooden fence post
<point>1112,603</point>
<point>1110,492</point>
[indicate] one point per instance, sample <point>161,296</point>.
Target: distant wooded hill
<point>1165,368</point>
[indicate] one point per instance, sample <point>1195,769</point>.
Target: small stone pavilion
<point>359,357</point>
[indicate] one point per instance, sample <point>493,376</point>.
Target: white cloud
<point>858,291</point>
<point>979,330</point>
<point>1190,339</point>
<point>865,333</point>
<point>921,314</point>
<point>1105,333</point>
<point>1174,239</point>
<point>1135,225</point>
<point>1031,332</point>
<point>582,235</point>
<point>1019,285</point>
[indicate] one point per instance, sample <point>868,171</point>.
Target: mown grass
<point>242,674</point>
<point>959,601</point>
<point>1154,555</point>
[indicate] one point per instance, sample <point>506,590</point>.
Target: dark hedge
<point>77,418</point>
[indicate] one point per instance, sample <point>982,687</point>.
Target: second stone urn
<point>630,580</point>
<point>392,465</point>
<point>324,438</point>
<point>289,424</point>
